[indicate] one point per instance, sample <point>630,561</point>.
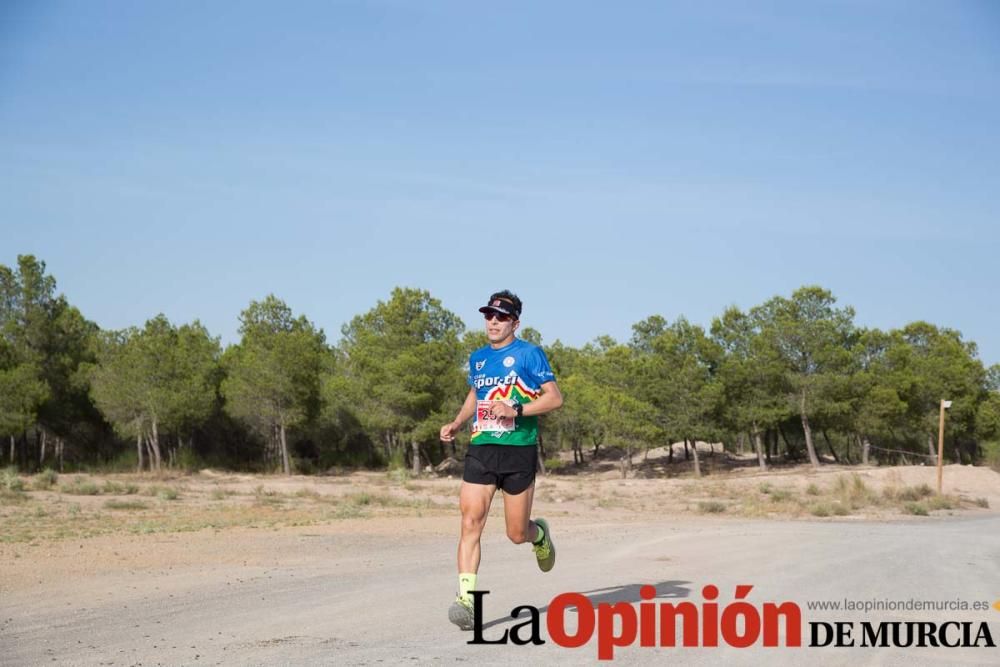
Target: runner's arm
<point>468,409</point>
<point>551,399</point>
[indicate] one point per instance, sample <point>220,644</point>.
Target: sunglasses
<point>494,315</point>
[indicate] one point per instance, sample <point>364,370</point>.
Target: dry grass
<point>79,506</point>
<point>126,504</point>
<point>162,492</point>
<point>847,494</point>
<point>80,488</point>
<point>852,491</point>
<point>907,493</point>
<point>10,497</point>
<point>114,488</point>
<point>52,507</point>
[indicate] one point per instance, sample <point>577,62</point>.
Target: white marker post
<point>940,462</point>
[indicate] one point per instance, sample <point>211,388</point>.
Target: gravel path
<point>328,596</point>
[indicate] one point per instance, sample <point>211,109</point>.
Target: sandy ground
<point>367,574</point>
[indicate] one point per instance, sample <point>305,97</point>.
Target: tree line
<point>792,379</point>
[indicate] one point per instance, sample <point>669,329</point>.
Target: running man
<point>511,383</point>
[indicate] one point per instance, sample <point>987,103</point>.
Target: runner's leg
<point>520,529</point>
<point>474,501</point>
<point>517,514</point>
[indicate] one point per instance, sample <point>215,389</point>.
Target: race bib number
<point>487,422</point>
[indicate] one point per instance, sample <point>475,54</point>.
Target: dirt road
<point>376,591</point>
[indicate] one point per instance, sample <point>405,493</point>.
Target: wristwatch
<point>519,409</point>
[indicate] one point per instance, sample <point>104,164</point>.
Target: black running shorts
<point>508,467</point>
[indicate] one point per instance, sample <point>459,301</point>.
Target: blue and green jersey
<point>514,373</point>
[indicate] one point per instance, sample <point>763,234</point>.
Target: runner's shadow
<point>611,594</point>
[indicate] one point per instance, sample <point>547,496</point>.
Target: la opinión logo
<point>739,623</point>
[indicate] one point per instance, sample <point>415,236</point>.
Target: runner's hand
<point>448,431</point>
<point>501,409</point>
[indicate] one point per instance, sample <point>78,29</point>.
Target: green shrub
<point>913,493</point>
<point>991,454</point>
<point>553,464</point>
<point>10,480</point>
<point>711,507</point>
<point>780,495</point>
<point>168,493</point>
<point>45,479</point>
<point>398,475</point>
<point>80,487</point>
<point>982,502</point>
<point>126,461</point>
<point>812,490</point>
<point>397,460</point>
<point>188,460</point>
<point>917,509</point>
<point>941,503</point>
<point>305,467</point>
<point>162,492</point>
<point>113,488</point>
<point>821,509</point>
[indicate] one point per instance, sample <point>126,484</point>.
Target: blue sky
<point>607,162</point>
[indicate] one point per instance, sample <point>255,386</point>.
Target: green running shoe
<point>546,551</point>
<point>460,613</point>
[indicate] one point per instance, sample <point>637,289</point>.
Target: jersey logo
<point>508,362</point>
<point>480,364</point>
